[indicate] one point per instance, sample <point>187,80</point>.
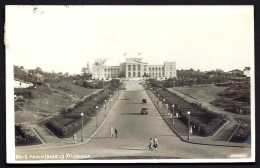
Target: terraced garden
<point>204,120</point>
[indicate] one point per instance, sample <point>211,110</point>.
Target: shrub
<point>18,107</point>
<point>26,93</point>
<point>27,137</point>
<point>242,134</point>
<point>65,131</point>
<point>74,116</point>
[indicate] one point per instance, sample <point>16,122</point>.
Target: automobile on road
<point>144,110</point>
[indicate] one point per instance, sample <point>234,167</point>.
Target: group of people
<point>112,131</point>
<point>153,144</point>
<point>194,130</point>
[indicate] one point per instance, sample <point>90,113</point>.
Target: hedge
<point>26,137</point>
<point>205,129</point>
<point>242,134</point>
<point>65,131</point>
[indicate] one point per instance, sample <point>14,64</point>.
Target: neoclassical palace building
<point>134,68</point>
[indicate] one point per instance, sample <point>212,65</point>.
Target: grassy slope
<point>51,99</point>
<point>203,93</point>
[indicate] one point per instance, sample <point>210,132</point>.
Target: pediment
<point>134,62</point>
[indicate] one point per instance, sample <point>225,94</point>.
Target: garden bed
<point>205,120</point>
<point>243,134</point>
<point>69,121</point>
<point>57,125</point>
<point>25,136</point>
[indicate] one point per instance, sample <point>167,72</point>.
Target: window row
<point>111,69</point>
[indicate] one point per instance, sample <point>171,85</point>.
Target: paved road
<point>134,133</point>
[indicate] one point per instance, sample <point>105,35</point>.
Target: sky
<point>65,38</point>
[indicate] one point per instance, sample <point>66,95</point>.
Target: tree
<point>85,72</point>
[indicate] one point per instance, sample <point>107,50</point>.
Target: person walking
<point>191,130</point>
<point>155,140</point>
<point>116,131</point>
<point>151,144</point>
<point>74,138</point>
<point>111,132</point>
<point>194,130</point>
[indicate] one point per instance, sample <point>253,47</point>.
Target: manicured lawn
<point>203,93</point>
<point>25,116</point>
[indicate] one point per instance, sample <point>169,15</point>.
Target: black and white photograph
<point>130,84</point>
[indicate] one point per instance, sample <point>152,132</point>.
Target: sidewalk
<point>49,140</point>
<point>220,138</point>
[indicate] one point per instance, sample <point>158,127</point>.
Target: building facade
<point>247,71</point>
<point>135,68</point>
<point>21,84</point>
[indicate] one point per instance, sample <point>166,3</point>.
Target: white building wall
<point>247,73</point>
<point>20,84</point>
<point>168,70</point>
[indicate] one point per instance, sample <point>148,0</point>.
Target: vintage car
<point>143,100</point>
<point>144,110</point>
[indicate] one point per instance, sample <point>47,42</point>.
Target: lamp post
<point>164,106</point>
<point>82,114</point>
<point>94,86</point>
<point>172,115</point>
<point>188,125</point>
<point>105,108</point>
<point>96,116</point>
<point>110,103</point>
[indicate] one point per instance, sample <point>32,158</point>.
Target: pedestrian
<point>116,131</point>
<point>191,130</point>
<point>194,130</point>
<point>74,138</point>
<point>240,111</point>
<point>151,144</point>
<point>111,132</point>
<point>155,140</point>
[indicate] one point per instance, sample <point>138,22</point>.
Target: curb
<point>233,132</point>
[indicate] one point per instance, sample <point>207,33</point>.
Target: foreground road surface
<point>135,130</point>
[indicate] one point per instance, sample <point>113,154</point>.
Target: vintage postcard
<point>130,84</point>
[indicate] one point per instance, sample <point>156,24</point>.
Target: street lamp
<point>94,86</point>
<point>172,115</point>
<point>188,125</point>
<point>105,108</point>
<point>96,116</point>
<point>82,139</point>
<point>163,106</point>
